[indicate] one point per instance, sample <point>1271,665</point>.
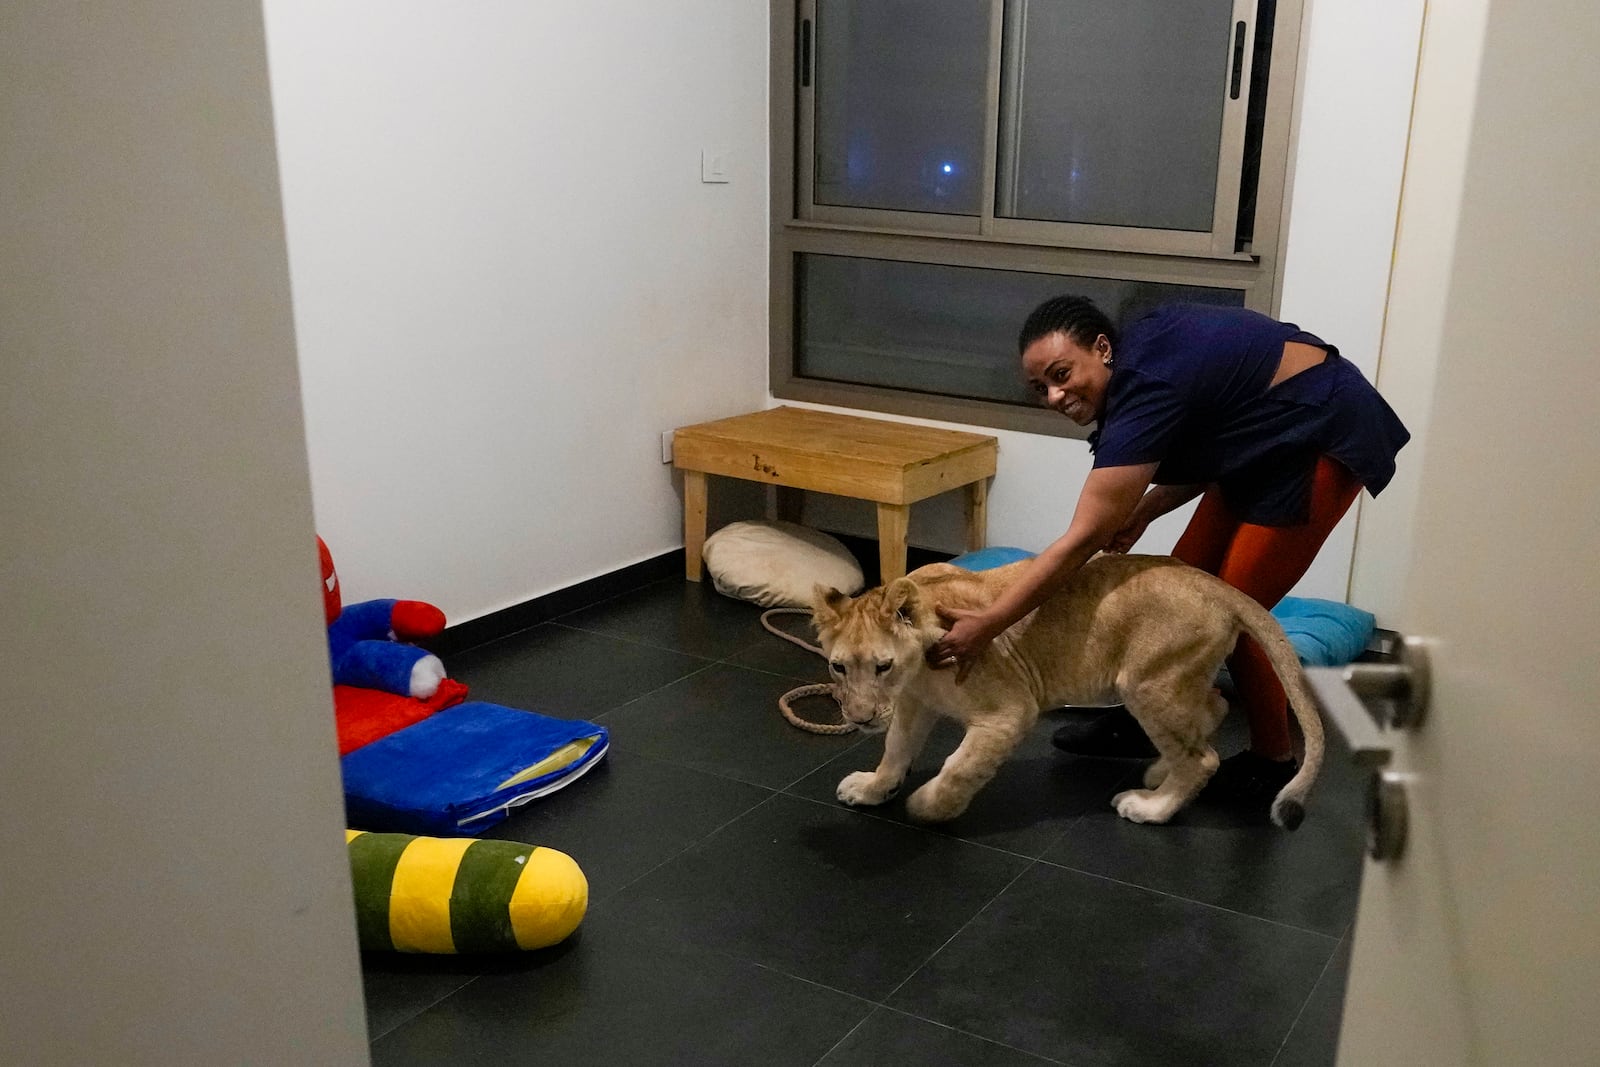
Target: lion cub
<point>1148,631</point>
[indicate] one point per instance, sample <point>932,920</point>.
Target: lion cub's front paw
<point>933,804</point>
<point>1139,805</point>
<point>863,788</point>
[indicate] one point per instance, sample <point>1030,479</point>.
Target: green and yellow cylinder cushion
<point>446,894</point>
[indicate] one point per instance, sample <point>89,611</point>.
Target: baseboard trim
<point>541,609</point>
<point>531,613</point>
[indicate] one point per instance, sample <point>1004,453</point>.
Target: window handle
<point>805,53</point>
<point>1238,60</point>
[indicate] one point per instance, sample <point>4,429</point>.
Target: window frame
<point>799,227</point>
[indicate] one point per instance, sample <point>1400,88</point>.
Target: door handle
<point>1387,814</point>
<point>1341,706</point>
<point>1397,693</point>
<point>1364,701</point>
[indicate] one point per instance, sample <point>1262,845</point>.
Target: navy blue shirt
<point>1188,392</point>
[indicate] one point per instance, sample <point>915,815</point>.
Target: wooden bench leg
<point>978,515</point>
<point>694,522</point>
<point>892,522</point>
<point>786,504</point>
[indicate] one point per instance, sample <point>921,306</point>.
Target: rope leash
<point>804,690</point>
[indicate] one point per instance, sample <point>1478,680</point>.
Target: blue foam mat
<point>446,775</point>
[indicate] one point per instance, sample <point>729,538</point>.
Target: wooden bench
<point>892,464</point>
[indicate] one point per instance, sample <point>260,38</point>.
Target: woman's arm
<point>1105,505</point>
<point>1154,504</point>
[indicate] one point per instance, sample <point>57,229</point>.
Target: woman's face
<point>1068,377</point>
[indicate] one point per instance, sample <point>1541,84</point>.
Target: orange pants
<point>1265,562</point>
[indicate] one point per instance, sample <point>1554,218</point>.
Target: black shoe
<point>1247,779</point>
<point>1112,734</point>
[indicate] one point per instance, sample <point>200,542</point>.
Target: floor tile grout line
<point>770,674</point>
<point>715,661</point>
<point>1287,1034</point>
<point>958,1030</point>
<point>874,1005</point>
<point>878,1006</point>
<point>708,835</point>
<point>631,639</point>
<point>565,614</point>
<point>766,639</point>
<point>847,1035</point>
<point>627,639</point>
<point>959,931</point>
<point>420,1012</point>
<point>705,666</point>
<point>1191,900</point>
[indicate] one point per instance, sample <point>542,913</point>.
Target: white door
<point>1481,943</point>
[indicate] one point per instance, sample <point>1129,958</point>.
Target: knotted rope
<point>804,690</point>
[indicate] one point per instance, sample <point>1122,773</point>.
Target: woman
<point>1270,423</point>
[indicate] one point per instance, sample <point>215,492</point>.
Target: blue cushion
<point>983,559</point>
<point>1324,632</point>
<point>462,770</point>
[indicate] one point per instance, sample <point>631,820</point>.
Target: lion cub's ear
<point>826,603</point>
<point>901,597</point>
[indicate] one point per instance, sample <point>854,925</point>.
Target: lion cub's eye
<point>836,667</point>
<point>883,668</point>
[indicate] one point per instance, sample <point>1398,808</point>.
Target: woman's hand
<point>969,634</point>
<point>1108,500</point>
<point>1125,538</point>
<point>1158,501</point>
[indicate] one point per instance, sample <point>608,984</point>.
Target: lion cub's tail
<point>1289,807</point>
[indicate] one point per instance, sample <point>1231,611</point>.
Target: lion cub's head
<point>874,644</point>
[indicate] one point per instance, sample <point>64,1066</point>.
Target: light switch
<point>714,164</point>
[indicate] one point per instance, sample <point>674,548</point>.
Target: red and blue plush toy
<point>415,759</point>
<point>367,641</point>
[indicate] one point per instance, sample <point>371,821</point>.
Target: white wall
<point>175,883</point>
<point>1436,168</point>
<point>1359,65</point>
<point>509,279</point>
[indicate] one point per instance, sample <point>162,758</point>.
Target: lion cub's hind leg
<point>1187,760</point>
<point>908,732</point>
<point>1157,772</point>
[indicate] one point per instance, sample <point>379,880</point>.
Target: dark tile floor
<point>740,915</point>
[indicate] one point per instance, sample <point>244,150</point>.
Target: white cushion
<point>776,564</point>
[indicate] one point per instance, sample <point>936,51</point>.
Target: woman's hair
<point>1075,316</point>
